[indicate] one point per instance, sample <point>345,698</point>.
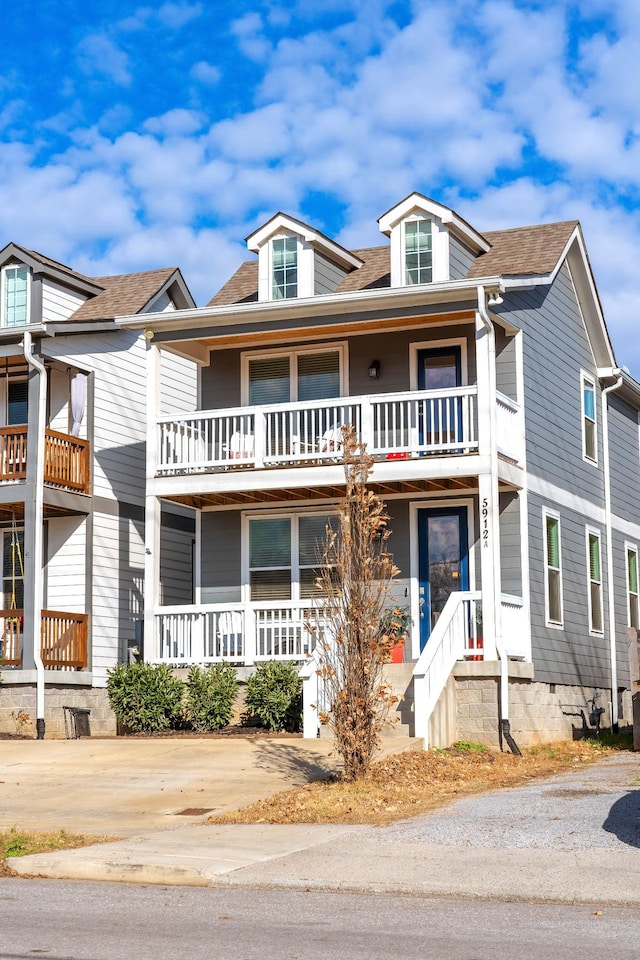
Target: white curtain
<point>78,401</point>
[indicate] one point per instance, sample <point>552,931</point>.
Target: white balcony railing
<point>393,426</point>
<point>234,633</point>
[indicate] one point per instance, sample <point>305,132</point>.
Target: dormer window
<point>284,271</point>
<point>418,252</point>
<point>15,295</point>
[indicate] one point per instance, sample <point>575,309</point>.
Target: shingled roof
<point>521,251</point>
<point>123,295</point>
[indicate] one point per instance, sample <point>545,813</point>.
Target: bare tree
<point>354,582</point>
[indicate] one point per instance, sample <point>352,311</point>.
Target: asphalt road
<point>63,920</point>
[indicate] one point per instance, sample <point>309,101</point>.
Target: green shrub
<point>144,696</point>
<point>274,696</point>
<point>210,696</point>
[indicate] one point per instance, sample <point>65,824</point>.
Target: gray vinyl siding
<point>59,303</point>
<point>506,372</point>
<point>176,566</point>
<point>510,544</point>
<point>567,655</point>
<point>220,381</point>
<point>621,604</point>
<point>221,571</point>
<point>556,348</point>
<point>625,459</point>
<point>326,275</point>
<point>460,258</point>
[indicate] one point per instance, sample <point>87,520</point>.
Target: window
<point>589,432</point>
<point>632,586</point>
<point>283,556</point>
<point>553,570</point>
<point>418,253</point>
<point>284,272</point>
<point>12,569</point>
<point>17,403</point>
<point>297,375</point>
<point>595,581</point>
<point>14,296</point>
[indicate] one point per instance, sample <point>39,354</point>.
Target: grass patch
<point>20,843</point>
<point>414,782</point>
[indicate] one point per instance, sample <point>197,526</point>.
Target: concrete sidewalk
<point>572,839</point>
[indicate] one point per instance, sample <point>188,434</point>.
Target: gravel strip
<point>596,806</point>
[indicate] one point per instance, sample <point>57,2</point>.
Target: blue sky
<point>133,137</point>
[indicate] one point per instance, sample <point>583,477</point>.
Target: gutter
<point>608,526</point>
<point>37,365</point>
<point>505,731</point>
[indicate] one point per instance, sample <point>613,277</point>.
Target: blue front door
<point>441,423</point>
<point>443,561</point>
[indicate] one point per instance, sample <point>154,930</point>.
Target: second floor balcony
<point>66,458</point>
<point>394,426</point>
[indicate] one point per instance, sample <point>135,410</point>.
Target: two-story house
<point>478,370</point>
<point>72,481</point>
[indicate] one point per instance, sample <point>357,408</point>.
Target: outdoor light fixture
<point>374,369</point>
<point>494,298</point>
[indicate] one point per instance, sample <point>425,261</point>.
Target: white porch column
<point>152,504</point>
<point>489,510</point>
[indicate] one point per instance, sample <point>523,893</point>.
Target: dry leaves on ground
<point>414,782</point>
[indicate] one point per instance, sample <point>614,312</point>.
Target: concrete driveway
<point>126,786</point>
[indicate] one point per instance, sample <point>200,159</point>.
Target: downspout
<point>505,731</point>
<point>608,526</point>
<point>38,366</point>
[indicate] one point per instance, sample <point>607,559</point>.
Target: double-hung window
<point>594,564</point>
<point>284,556</point>
<point>553,570</point>
<point>15,295</point>
<point>418,252</point>
<point>589,426</point>
<point>632,586</point>
<point>284,268</point>
<point>17,403</point>
<point>298,375</point>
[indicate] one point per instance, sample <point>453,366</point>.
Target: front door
<point>440,424</point>
<point>443,561</point>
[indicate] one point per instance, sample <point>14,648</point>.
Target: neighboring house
<point>72,480</point>
<point>478,370</point>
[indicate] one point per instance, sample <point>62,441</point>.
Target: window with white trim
<point>15,295</point>
<point>294,375</point>
<point>553,570</point>
<point>418,252</point>
<point>284,553</point>
<point>589,425</point>
<point>594,565</point>
<point>633,619</point>
<point>284,268</point>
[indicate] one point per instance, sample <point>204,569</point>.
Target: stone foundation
<point>18,709</point>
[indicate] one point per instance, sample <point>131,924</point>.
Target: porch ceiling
<point>333,492</point>
<point>16,509</point>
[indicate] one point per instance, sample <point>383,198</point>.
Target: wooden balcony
<point>66,458</point>
<point>63,639</point>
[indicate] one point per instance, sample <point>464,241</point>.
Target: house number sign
<point>485,522</point>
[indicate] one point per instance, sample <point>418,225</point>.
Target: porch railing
<point>63,639</point>
<point>456,637</point>
<point>66,458</point>
<point>393,426</point>
<point>235,633</point>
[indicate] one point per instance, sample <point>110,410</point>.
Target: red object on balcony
<point>479,645</point>
<point>398,456</point>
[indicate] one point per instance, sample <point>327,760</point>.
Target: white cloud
<point>98,54</point>
<point>205,73</point>
<point>248,31</point>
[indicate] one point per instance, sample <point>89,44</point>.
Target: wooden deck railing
<point>63,639</point>
<point>66,458</point>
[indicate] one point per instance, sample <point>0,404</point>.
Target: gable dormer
<point>429,243</point>
<point>295,260</point>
